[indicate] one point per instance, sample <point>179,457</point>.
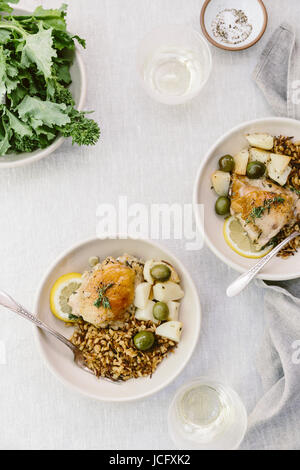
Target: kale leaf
<point>36,104</point>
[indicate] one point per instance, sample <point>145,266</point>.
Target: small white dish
<point>60,360</point>
<point>211,225</point>
<point>217,16</point>
<point>78,90</point>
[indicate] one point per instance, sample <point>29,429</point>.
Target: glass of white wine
<point>207,415</point>
<point>174,63</point>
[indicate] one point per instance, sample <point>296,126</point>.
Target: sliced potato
<point>241,161</point>
<point>173,310</point>
<point>146,313</point>
<point>164,292</point>
<point>221,182</point>
<point>171,330</point>
<point>151,263</point>
<point>258,155</point>
<point>280,178</point>
<point>262,141</point>
<point>279,162</point>
<point>142,293</point>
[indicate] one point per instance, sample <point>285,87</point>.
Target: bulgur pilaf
<point>112,354</point>
<point>286,146</point>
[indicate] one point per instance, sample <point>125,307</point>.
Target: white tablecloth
<point>149,152</point>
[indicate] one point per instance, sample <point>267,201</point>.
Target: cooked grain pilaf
<point>112,354</point>
<point>286,146</point>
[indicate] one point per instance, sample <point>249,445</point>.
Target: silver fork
<point>242,281</point>
<point>8,302</point>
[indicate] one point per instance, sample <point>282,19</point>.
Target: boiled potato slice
<point>170,329</point>
<point>146,313</point>
<point>151,263</point>
<point>173,310</point>
<point>142,293</point>
<point>166,291</point>
<point>262,141</point>
<point>221,182</point>
<point>258,155</point>
<point>280,178</point>
<point>241,161</point>
<point>279,162</point>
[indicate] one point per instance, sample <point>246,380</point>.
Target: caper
<point>160,311</point>
<point>222,206</point>
<point>143,340</point>
<point>256,170</point>
<point>226,163</point>
<point>160,272</point>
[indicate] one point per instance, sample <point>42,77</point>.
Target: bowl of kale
<point>42,85</point>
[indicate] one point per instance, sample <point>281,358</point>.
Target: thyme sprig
<point>257,212</point>
<point>102,299</point>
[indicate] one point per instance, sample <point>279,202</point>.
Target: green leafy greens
<point>36,104</point>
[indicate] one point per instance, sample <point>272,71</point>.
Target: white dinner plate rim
<point>38,336</point>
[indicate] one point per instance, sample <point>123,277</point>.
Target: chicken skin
<point>263,208</point>
<point>106,294</point>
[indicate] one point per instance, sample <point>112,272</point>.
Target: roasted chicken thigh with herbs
<point>106,293</point>
<point>263,208</point>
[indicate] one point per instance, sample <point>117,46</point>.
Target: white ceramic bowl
<point>60,360</point>
<point>211,224</point>
<point>255,11</point>
<point>78,89</point>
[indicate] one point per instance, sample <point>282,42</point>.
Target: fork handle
<point>8,302</point>
<point>241,282</point>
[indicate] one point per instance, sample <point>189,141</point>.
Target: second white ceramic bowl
<point>60,360</point>
<point>211,225</point>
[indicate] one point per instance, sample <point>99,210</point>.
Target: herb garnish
<point>297,191</point>
<point>102,299</point>
<point>257,212</point>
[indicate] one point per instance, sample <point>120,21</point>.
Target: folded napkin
<point>278,72</point>
<point>275,421</point>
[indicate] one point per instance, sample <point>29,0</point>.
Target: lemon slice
<point>60,294</point>
<point>238,240</point>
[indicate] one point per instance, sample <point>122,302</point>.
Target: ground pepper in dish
<point>231,26</point>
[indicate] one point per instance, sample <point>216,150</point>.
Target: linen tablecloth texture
<point>274,423</point>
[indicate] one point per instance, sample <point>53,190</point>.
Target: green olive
<point>160,272</point>
<point>256,170</point>
<point>222,206</point>
<point>226,163</point>
<point>144,340</point>
<point>161,311</point>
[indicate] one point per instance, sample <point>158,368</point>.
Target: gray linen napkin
<point>278,72</point>
<point>275,421</point>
